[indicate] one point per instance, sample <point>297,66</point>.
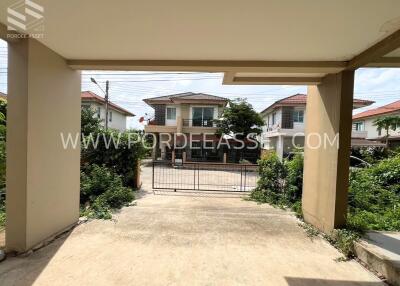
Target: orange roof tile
<point>301,99</point>
<point>389,108</point>
<point>91,96</point>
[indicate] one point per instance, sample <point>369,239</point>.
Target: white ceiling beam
<point>285,80</point>
<point>385,62</point>
<point>211,66</point>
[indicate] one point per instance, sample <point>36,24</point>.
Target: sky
<point>128,89</point>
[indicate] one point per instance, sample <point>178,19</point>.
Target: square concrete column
<point>279,146</point>
<point>42,176</point>
<point>327,151</point>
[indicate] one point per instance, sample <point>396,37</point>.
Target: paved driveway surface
<point>187,239</point>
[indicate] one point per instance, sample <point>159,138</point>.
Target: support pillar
<point>279,146</point>
<point>173,157</point>
<point>326,165</point>
<point>42,176</point>
<point>156,145</point>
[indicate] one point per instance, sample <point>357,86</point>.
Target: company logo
<point>26,16</point>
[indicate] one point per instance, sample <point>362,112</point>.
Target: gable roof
<point>389,108</point>
<point>91,96</point>
<point>301,99</point>
<point>186,97</point>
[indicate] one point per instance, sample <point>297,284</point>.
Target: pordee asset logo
<point>27,17</point>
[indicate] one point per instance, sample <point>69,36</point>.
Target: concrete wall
<point>42,177</point>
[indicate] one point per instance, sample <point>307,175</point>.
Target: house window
<point>110,116</point>
<point>171,113</point>
<point>196,149</point>
<point>98,112</point>
<point>273,118</point>
<point>203,116</point>
<point>298,116</point>
<point>358,126</point>
<point>209,145</point>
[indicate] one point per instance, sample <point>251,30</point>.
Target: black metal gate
<point>198,176</point>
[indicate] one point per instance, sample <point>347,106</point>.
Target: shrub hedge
<point>374,195</point>
<point>280,183</point>
<point>109,162</point>
<point>102,191</point>
<point>120,152</point>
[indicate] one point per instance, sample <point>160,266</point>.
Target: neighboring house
<point>117,115</point>
<point>192,114</point>
<point>3,96</point>
<point>285,123</point>
<point>363,124</point>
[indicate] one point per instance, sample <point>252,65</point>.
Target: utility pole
<point>106,100</point>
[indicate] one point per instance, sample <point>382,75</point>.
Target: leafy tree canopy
<point>239,118</point>
<point>90,123</point>
<point>386,123</point>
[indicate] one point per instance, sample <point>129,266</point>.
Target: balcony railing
<point>199,122</point>
<point>153,122</point>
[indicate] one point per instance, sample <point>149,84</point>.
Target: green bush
<point>90,123</point>
<point>97,210</point>
<point>343,240</point>
<point>280,184</point>
<point>3,114</point>
<point>120,152</point>
<point>294,179</point>
<point>102,190</point>
<point>2,214</point>
<point>371,155</point>
<point>271,184</point>
<point>3,129</point>
<point>387,173</point>
<point>374,197</point>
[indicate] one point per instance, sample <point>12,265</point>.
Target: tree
<point>386,123</point>
<point>3,131</point>
<point>90,123</point>
<point>240,118</point>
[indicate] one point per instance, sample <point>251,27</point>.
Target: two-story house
<point>363,124</point>
<point>285,123</point>
<point>192,114</point>
<point>117,116</point>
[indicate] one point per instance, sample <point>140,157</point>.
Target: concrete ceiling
<point>284,30</point>
<point>103,34</point>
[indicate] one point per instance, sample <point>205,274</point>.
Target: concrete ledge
<point>381,252</point>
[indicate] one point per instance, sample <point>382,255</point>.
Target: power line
<point>146,73</point>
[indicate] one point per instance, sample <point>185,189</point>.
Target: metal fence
<point>204,176</point>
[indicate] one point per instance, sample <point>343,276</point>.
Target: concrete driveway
<point>187,239</point>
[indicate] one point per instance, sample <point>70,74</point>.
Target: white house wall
<point>118,119</point>
<point>372,130</point>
